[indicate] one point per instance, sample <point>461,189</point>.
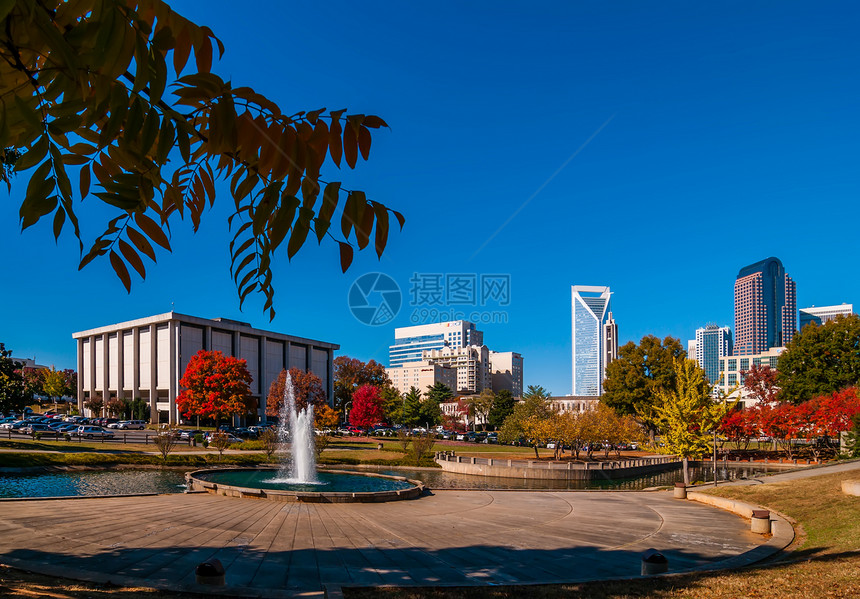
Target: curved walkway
<point>273,549</point>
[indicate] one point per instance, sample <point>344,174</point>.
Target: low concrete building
<point>145,358</point>
<point>421,375</point>
<point>575,404</point>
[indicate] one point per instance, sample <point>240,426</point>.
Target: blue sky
<point>733,134</point>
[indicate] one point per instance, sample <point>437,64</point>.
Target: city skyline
<point>644,130</point>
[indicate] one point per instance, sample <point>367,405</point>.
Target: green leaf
<point>59,219</point>
<point>300,232</point>
<point>131,256</point>
<point>345,255</point>
<point>381,228</point>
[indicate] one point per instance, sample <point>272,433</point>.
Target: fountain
<point>297,428</point>
<point>297,479</point>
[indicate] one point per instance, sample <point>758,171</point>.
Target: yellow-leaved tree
<point>686,415</point>
<point>93,91</point>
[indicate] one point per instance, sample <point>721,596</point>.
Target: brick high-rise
<point>765,307</point>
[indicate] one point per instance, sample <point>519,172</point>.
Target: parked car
<point>188,435</point>
<point>231,438</point>
<point>13,426</point>
<point>90,431</point>
<point>36,427</point>
<point>129,425</point>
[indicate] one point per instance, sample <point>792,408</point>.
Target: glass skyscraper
<point>765,307</point>
<point>712,343</point>
<point>591,338</point>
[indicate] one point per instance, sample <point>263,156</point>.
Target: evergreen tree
<point>412,407</point>
<point>429,413</point>
<point>503,406</point>
<point>439,392</point>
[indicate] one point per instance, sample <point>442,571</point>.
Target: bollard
<point>760,522</point>
<point>211,572</point>
<point>654,562</point>
<point>680,491</point>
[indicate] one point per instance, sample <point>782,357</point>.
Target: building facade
<point>421,375</point>
<point>506,372</point>
<point>732,368</point>
<point>711,344</point>
<point>765,307</point>
<point>145,358</point>
<point>411,342</point>
<point>821,314</point>
<point>590,316</point>
<point>564,404</point>
<point>471,363</point>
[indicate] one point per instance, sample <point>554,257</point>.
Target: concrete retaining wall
<point>537,470</point>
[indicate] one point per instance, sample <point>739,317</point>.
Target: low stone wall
<point>534,469</point>
<point>198,485</point>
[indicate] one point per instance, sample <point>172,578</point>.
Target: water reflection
<point>439,479</point>
<point>87,483</point>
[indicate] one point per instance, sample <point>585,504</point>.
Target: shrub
<point>37,436</point>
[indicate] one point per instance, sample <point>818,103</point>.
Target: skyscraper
<point>595,338</point>
<point>765,307</point>
<point>712,343</point>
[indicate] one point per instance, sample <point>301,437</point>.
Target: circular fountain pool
<point>334,486</point>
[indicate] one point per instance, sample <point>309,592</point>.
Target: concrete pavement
<point>450,538</point>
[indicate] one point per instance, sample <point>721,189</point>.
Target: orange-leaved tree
<point>307,386</point>
<point>93,91</point>
<point>216,386</point>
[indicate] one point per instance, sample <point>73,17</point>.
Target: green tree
<point>503,406</point>
<point>820,360</point>
<point>84,85</point>
<point>479,406</point>
<point>686,415</point>
<point>439,392</point>
<point>429,412</point>
<point>8,158</point>
<point>392,405</point>
<point>412,407</point>
<point>536,391</point>
<point>13,393</point>
<point>632,380</point>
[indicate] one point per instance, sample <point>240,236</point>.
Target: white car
<point>129,425</point>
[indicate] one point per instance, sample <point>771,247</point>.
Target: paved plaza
<point>274,549</point>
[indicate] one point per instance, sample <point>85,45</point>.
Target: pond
<point>91,482</point>
<point>439,479</point>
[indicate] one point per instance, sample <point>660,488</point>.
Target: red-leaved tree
<point>760,382</point>
<point>366,407</point>
<point>216,386</point>
<point>308,388</point>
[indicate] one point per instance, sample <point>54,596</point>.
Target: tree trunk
<point>537,455</point>
<point>686,471</point>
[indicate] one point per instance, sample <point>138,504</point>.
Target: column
<point>106,367</point>
<point>153,373</point>
<point>135,364</point>
<point>330,382</point>
<point>80,375</point>
<point>173,332</point>
<point>207,339</point>
<point>93,368</point>
<point>262,362</point>
<point>120,364</point>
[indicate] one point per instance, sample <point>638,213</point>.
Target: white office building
<point>145,358</point>
<point>821,314</point>
<point>411,342</point>
<point>594,343</point>
<point>421,375</point>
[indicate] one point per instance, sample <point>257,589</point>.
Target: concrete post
<point>654,562</point>
<point>760,522</point>
<point>680,491</point>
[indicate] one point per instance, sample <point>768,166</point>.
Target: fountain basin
<point>336,486</point>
